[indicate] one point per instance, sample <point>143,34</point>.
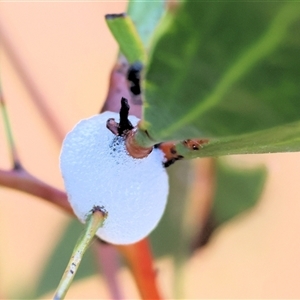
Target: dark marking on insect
<point>72,272</point>
<point>73,264</point>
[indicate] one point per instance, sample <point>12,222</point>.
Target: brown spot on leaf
<point>194,144</point>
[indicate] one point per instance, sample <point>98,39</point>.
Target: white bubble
<point>98,171</point>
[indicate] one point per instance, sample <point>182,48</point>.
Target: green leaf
<point>125,33</point>
<point>134,31</point>
<point>146,15</point>
<point>59,258</point>
<point>228,72</point>
<point>237,190</point>
<point>278,139</point>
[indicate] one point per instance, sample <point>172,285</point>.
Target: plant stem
<point>143,139</point>
<point>93,223</point>
<point>23,181</point>
<point>9,135</point>
<point>36,95</point>
<point>195,216</point>
<point>140,261</point>
<point>107,259</point>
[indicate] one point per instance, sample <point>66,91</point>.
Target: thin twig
<point>197,219</point>
<point>107,259</point>
<point>11,143</point>
<point>36,96</point>
<point>93,223</point>
<point>195,216</point>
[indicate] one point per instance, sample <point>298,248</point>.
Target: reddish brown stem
<point>139,258</point>
<point>23,181</point>
<point>107,263</point>
<point>12,147</point>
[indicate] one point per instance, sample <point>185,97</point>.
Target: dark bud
<point>134,78</point>
<point>124,124</point>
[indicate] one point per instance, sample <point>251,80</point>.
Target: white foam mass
<point>98,171</point>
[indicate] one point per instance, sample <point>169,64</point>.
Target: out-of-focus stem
<point>23,181</point>
<point>201,195</point>
<point>195,216</point>
<point>36,95</point>
<point>139,258</point>
<point>9,135</point>
<point>108,263</point>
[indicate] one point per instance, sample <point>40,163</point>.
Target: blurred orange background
<point>67,53</point>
